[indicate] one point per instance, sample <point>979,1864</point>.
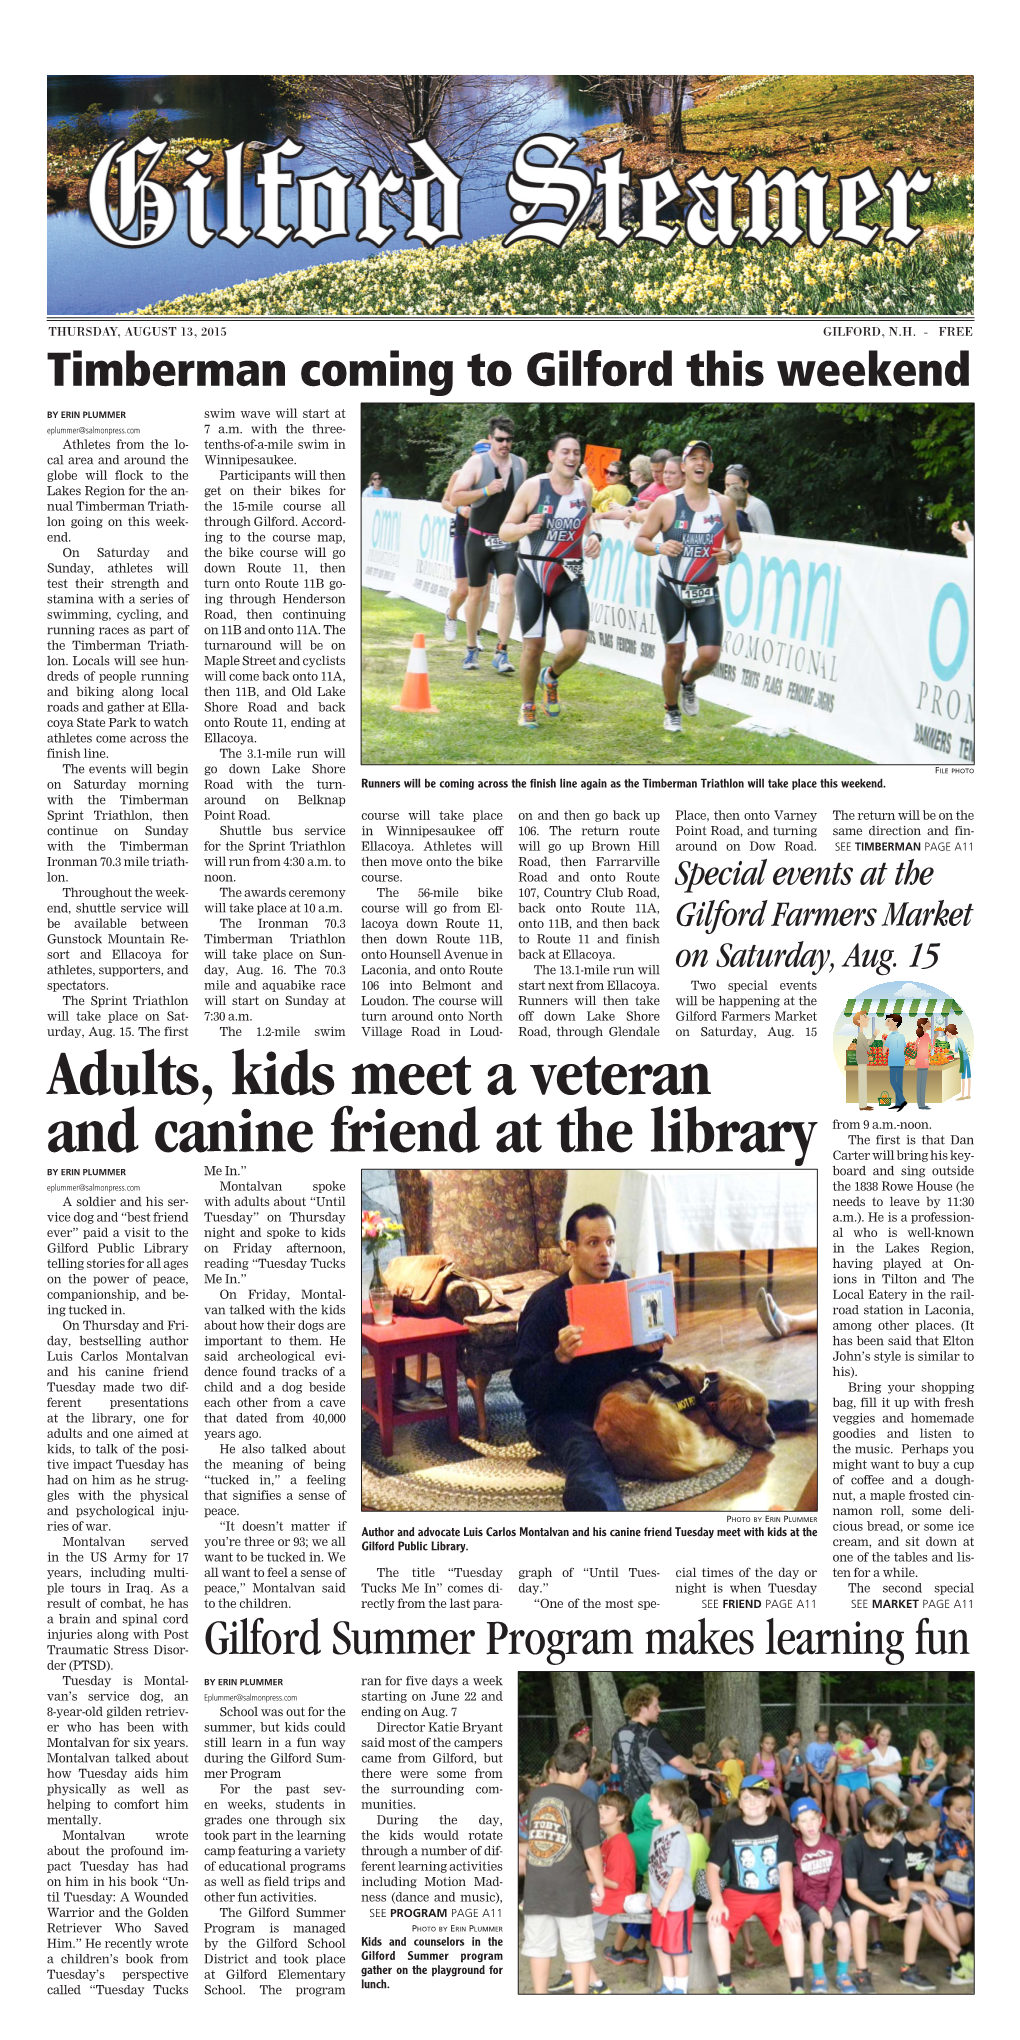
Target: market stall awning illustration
<point>943,1008</point>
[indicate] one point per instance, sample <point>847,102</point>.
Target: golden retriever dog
<point>647,1436</point>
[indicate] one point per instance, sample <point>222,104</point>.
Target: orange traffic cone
<point>415,694</point>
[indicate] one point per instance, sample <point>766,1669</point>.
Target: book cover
<point>617,1314</point>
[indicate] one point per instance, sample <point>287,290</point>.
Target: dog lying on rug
<point>672,1422</point>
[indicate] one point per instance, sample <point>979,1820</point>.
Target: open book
<point>630,1313</point>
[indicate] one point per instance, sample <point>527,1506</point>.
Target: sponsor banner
<point>863,648</point>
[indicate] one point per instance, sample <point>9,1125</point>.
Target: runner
<point>483,486</point>
<point>547,522</point>
<point>694,532</point>
<point>458,533</point>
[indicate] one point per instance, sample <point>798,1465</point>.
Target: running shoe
<point>527,719</point>
<point>845,1985</point>
<point>500,663</point>
<point>913,1980</point>
<point>865,1987</point>
<point>639,1956</point>
<point>959,1975</point>
<point>616,1957</point>
<point>725,1990</point>
<point>471,659</point>
<point>967,1962</point>
<point>819,1987</point>
<point>550,691</point>
<point>450,629</point>
<point>673,722</point>
<point>689,698</point>
<point>565,1983</point>
<point>599,1988</point>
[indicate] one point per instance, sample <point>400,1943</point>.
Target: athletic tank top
<point>701,534</point>
<point>492,511</point>
<point>554,553</point>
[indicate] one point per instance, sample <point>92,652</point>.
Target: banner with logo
<point>860,647</point>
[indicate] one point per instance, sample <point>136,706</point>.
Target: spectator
<point>615,490</point>
<point>738,478</point>
<point>375,487</point>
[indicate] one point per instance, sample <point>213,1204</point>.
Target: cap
<point>689,448</point>
<point>757,1783</point>
<point>805,1805</point>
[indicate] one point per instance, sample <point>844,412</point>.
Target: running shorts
<point>485,554</point>
<point>705,619</point>
<point>567,602</point>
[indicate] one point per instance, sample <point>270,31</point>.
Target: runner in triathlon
<point>546,522</point>
<point>693,531</point>
<point>458,532</point>
<point>483,486</point>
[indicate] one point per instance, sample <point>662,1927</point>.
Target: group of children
<point>763,1845</point>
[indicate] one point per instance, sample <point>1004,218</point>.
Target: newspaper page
<point>504,818</point>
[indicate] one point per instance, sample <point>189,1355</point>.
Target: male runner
<point>482,486</point>
<point>694,532</point>
<point>546,521</point>
<point>458,533</point>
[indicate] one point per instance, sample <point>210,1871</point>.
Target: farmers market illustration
<point>904,1045</point>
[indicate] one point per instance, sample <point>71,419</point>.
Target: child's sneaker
<point>845,1985</point>
<point>725,1990</point>
<point>638,1955</point>
<point>819,1987</point>
<point>566,1982</point>
<point>527,719</point>
<point>599,1988</point>
<point>959,1974</point>
<point>967,1962</point>
<point>616,1956</point>
<point>913,1980</point>
<point>865,1987</point>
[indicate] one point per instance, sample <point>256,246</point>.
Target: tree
<point>733,1707</point>
<point>676,93</point>
<point>607,1714</point>
<point>387,112</point>
<point>937,1701</point>
<point>809,1704</point>
<point>567,1701</point>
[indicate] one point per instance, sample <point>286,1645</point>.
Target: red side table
<point>390,1347</point>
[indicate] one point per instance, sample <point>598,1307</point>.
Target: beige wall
<point>591,1186</point>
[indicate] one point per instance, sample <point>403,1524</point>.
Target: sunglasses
<point>502,439</point>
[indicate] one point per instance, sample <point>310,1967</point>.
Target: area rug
<point>427,1471</point>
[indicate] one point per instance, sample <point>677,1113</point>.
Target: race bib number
<point>694,595</point>
<point>574,569</point>
<point>493,541</point>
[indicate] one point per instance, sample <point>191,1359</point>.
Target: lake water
<point>89,275</point>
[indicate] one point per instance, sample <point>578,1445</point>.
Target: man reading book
<point>560,1390</point>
